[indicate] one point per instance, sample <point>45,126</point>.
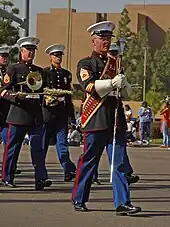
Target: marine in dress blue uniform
<point>4,104</point>
<point>24,116</point>
<point>59,110</point>
<point>120,133</point>
<point>96,76</point>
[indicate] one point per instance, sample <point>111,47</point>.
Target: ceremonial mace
<point>122,41</point>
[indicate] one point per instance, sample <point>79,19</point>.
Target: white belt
<point>33,96</point>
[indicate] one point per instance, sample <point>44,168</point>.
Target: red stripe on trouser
<point>79,169</point>
<point>5,152</point>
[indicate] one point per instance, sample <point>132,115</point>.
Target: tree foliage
<point>157,65</point>
<point>161,67</point>
<point>161,75</point>
<point>9,32</point>
<point>123,25</point>
<point>133,58</point>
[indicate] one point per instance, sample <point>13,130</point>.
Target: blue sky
<point>38,6</point>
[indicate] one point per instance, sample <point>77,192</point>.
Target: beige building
<point>52,28</point>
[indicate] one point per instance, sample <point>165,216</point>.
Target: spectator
<point>131,131</point>
<point>145,118</point>
<point>73,137</point>
<point>165,125</point>
<point>128,112</point>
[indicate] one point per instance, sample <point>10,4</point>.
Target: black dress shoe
<point>17,171</point>
<point>69,177</point>
<point>132,179</point>
<point>97,182</point>
<point>80,206</point>
<point>127,209</point>
<point>40,185</point>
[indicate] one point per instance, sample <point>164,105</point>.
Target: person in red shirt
<point>165,125</point>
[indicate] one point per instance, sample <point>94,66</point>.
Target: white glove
<point>126,91</point>
<point>119,81</point>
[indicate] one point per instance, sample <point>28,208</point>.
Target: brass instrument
<point>34,82</point>
<point>53,96</point>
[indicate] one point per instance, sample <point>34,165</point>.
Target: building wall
<point>52,28</point>
<point>81,40</point>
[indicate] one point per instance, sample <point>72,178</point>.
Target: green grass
<point>156,141</point>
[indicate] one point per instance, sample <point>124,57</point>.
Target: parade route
<point>24,207</point>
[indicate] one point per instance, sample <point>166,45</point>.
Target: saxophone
<point>53,97</point>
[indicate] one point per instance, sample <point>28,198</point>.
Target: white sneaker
<point>140,142</point>
<point>147,142</point>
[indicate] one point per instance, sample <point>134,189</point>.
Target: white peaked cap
<point>28,41</point>
<point>101,27</point>
<point>55,48</point>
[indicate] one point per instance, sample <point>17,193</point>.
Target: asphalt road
<point>24,207</point>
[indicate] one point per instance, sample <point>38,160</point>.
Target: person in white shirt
<point>74,136</point>
<point>130,131</point>
<point>128,112</point>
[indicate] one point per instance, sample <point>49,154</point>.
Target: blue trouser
<point>166,134</point>
<point>60,130</point>
<point>120,140</point>
<point>127,166</point>
<point>4,135</point>
<point>144,128</point>
<point>15,135</point>
<point>94,144</point>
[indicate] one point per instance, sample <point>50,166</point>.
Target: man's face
<point>28,53</point>
<point>4,58</point>
<point>56,58</point>
<point>101,43</point>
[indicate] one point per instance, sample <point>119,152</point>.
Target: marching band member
<point>121,130</point>
<point>97,77</point>
<point>122,126</point>
<point>58,110</point>
<point>4,104</point>
<point>25,115</point>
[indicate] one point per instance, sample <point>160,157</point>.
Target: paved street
<point>24,207</point>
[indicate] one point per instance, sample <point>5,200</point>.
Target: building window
<point>101,17</point>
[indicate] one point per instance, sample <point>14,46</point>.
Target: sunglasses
<point>57,54</point>
<point>4,55</point>
<point>103,38</point>
<point>30,48</point>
